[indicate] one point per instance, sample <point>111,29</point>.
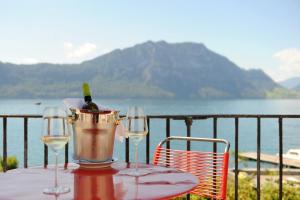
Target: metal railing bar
<point>148,143</point>
<point>168,131</point>
<point>258,158</point>
<point>48,124</point>
<point>45,155</point>
<point>25,142</point>
<point>183,117</point>
<point>4,144</point>
<point>236,165</point>
<point>21,116</point>
<point>66,154</point>
<point>127,150</point>
<point>168,144</point>
<point>215,135</point>
<point>280,158</point>
<point>188,123</point>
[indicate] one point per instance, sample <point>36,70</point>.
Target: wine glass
<point>55,134</point>
<point>136,128</point>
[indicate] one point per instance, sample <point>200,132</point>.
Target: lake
<point>200,128</point>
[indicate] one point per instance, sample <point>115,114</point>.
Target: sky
<point>252,33</point>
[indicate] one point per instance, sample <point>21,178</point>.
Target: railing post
<point>4,144</point>
<point>45,146</point>
<point>258,160</point>
<point>148,142</point>
<point>188,123</point>
<point>66,148</point>
<point>66,155</point>
<point>236,159</point>
<point>168,142</point>
<point>168,132</point>
<point>215,135</point>
<point>127,150</point>
<point>45,155</point>
<point>25,142</point>
<point>280,158</point>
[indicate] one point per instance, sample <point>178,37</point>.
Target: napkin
<point>73,103</point>
<point>120,133</point>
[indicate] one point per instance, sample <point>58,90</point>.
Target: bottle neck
<point>88,99</point>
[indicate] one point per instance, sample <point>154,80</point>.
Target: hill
<point>147,70</point>
<point>297,87</point>
<point>291,83</point>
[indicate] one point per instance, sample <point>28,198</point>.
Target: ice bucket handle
<point>74,117</point>
<point>118,121</point>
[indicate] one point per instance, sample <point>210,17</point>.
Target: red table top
<point>108,183</point>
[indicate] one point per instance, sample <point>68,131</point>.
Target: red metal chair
<point>211,168</point>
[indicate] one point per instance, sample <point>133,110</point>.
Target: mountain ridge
<point>145,70</point>
<point>297,87</point>
<point>291,83</point>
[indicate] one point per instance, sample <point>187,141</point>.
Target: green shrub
<point>1,168</point>
<point>245,187</point>
<point>12,163</point>
<point>269,191</point>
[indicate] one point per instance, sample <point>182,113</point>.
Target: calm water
<point>201,128</point>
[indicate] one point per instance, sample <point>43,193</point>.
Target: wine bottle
<point>88,105</point>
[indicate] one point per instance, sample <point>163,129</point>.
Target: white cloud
<point>68,45</point>
<point>289,56</point>
<point>289,64</point>
<point>28,61</point>
<point>81,51</point>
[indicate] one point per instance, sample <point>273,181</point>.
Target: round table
<point>107,183</point>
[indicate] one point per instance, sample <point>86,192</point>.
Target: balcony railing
<point>188,119</point>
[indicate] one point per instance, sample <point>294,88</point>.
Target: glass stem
<point>136,157</point>
<point>56,169</point>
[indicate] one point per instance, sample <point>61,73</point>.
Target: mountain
<point>297,87</point>
<point>147,70</point>
<point>291,82</point>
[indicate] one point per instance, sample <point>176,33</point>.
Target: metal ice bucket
<point>93,135</point>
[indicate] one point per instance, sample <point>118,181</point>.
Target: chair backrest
<point>210,167</point>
